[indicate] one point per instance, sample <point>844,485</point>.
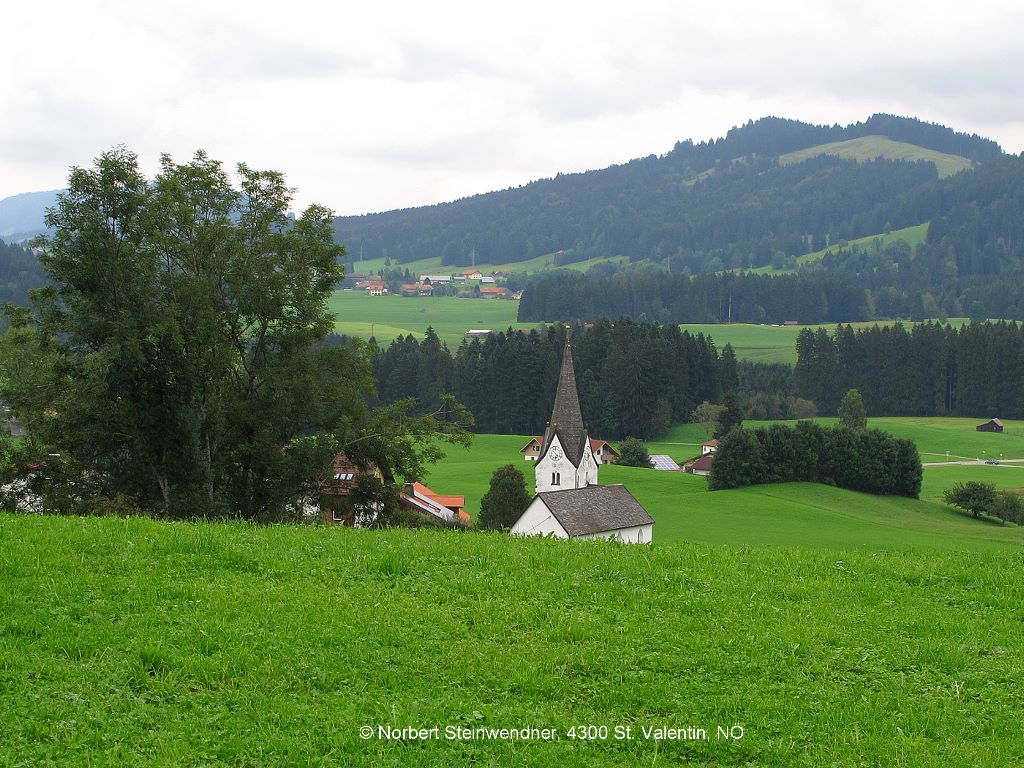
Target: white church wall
<point>537,520</point>
<point>638,534</point>
<point>554,472</point>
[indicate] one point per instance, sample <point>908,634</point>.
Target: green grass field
<point>358,314</point>
<point>771,343</point>
<point>135,642</point>
<point>387,317</point>
<point>933,436</point>
<point>795,515</point>
<point>868,148</point>
<point>912,236</point>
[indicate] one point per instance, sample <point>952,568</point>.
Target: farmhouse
<point>569,502</point>
<point>709,447</point>
<point>494,292</point>
<point>335,493</point>
<point>417,289</point>
<point>701,465</point>
<point>992,425</point>
<point>338,508</point>
<point>472,274</point>
<point>448,509</point>
<point>594,512</point>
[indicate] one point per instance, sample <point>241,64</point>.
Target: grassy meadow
<point>360,315</point>
<point>866,148</point>
<point>136,642</point>
<point>790,515</point>
<point>912,236</point>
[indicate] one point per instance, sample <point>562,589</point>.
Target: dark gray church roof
<point>566,416</point>
<point>594,509</point>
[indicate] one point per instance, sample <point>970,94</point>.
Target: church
<point>569,502</point>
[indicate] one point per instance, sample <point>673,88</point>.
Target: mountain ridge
<point>722,203</point>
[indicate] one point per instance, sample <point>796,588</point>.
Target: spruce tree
<point>505,500</point>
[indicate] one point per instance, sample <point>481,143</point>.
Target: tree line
<point>867,460</point>
<point>928,369</point>
<point>634,379</point>
<point>818,297</point>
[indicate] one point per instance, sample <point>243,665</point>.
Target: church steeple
<point>566,459</point>
<point>566,416</point>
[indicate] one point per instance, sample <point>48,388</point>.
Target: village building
<point>569,503</point>
<point>701,465</point>
<point>446,508</point>
<point>472,274</point>
<point>494,292</point>
<point>565,459</point>
<point>992,425</point>
<point>594,512</point>
<point>337,506</point>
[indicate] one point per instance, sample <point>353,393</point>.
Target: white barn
<point>594,512</point>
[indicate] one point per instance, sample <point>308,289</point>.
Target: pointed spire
<point>566,416</point>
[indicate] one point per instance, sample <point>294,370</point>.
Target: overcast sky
<point>372,106</point>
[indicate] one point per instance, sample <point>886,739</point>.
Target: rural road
<point>970,462</point>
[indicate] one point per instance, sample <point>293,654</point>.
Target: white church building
<point>569,503</point>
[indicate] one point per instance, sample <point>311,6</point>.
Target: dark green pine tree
<point>731,416</point>
<point>505,500</point>
<point>728,375</point>
<point>739,461</point>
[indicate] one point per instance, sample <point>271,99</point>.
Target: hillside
<point>733,202</point>
<point>134,642</point>
<point>790,515</point>
<point>21,216</point>
<point>868,148</point>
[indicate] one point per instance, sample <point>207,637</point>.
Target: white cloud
<point>368,108</point>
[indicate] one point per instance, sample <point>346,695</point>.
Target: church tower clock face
<point>556,453</point>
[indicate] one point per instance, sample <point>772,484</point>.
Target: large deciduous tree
<point>851,411</point>
<point>177,359</point>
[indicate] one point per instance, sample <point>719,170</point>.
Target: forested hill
<point>725,203</point>
<point>20,272</point>
<point>21,216</point>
